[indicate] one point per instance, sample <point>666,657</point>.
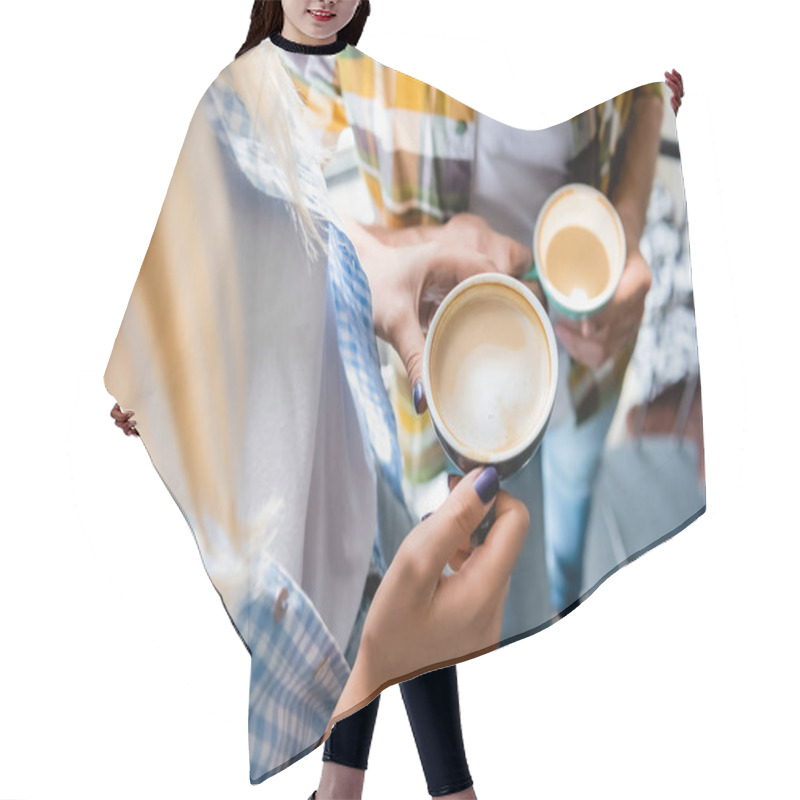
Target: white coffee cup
<point>490,371</point>
<point>578,205</point>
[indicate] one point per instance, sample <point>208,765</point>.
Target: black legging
<point>431,701</point>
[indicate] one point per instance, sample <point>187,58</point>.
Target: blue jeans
<point>527,605</point>
<point>570,460</point>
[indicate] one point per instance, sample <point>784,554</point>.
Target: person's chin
<point>319,37</point>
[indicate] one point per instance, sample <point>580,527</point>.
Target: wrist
<point>632,225</point>
<point>400,237</point>
<point>633,253</point>
<point>359,690</point>
<point>637,274</point>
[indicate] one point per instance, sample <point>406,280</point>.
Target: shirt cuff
<point>297,674</point>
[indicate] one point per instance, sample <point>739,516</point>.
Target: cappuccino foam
<point>490,369</point>
<point>577,263</point>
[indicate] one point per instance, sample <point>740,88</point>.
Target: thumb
<point>520,258</point>
<point>409,342</point>
<point>488,570</point>
<point>452,525</point>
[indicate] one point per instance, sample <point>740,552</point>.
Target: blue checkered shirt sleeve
<point>297,669</point>
<point>297,674</point>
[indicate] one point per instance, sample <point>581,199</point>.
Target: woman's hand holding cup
<point>592,341</point>
<point>595,279</point>
<point>409,280</point>
<point>420,617</point>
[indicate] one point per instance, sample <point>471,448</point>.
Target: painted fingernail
<point>419,394</point>
<point>487,485</point>
<point>425,516</point>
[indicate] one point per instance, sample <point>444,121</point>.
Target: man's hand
<point>593,341</point>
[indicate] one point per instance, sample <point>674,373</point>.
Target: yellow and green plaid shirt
<point>416,147</point>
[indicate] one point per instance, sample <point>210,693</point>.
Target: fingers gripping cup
<point>579,250</point>
<point>490,373</point>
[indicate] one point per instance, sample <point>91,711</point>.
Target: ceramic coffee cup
<point>579,250</point>
<point>490,371</point>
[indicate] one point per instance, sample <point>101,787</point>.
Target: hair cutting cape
<point>248,356</point>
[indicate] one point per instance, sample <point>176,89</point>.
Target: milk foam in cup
<point>490,373</point>
<point>579,251</point>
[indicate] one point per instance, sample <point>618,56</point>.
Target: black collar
<point>310,49</point>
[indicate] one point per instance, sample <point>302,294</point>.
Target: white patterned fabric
<point>248,354</point>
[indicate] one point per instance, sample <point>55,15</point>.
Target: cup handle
<point>532,274</point>
<point>479,535</point>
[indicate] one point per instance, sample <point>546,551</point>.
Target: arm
<point>632,193</point>
<point>297,670</point>
<point>594,341</point>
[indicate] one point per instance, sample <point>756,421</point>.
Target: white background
<point>120,674</point>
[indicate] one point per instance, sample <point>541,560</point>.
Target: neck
<point>306,44</point>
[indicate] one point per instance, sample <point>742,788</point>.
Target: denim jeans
<point>527,605</point>
<point>570,460</point>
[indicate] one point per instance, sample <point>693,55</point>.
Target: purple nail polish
<point>487,485</point>
<point>419,392</point>
<point>425,516</point>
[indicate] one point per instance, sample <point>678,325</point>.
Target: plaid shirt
<point>416,147</point>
